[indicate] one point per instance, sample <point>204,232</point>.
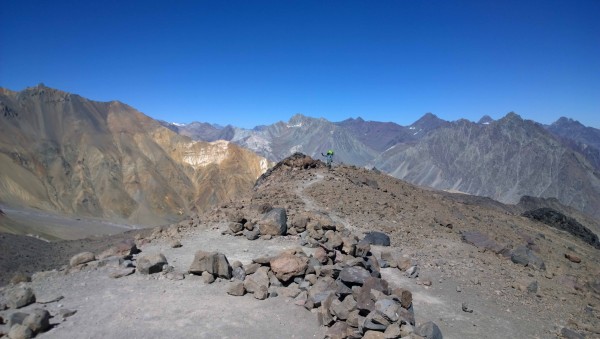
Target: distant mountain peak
<point>485,120</point>
<point>428,122</point>
<point>564,121</point>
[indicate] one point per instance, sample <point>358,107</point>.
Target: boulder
<point>274,222</point>
<point>208,278</point>
<point>342,309</point>
<point>387,308</point>
<point>524,256</point>
<point>252,234</point>
<point>236,288</point>
<point>81,258</point>
<point>235,227</point>
<point>19,296</point>
<point>377,238</point>
<point>321,255</point>
<point>354,275</point>
<point>374,335</point>
<point>339,330</point>
<point>150,263</point>
<point>253,282</point>
<point>262,293</point>
<point>38,320</point>
<point>212,262</point>
<point>286,266</point>
<point>239,273</point>
<point>122,249</point>
<point>404,296</point>
<point>20,332</point>
<point>16,318</point>
<point>573,258</point>
<point>362,249</point>
<point>429,330</point>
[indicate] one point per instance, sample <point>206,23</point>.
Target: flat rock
<point>150,263</point>
<point>236,288</point>
<point>354,275</point>
<point>81,258</point>
<point>122,272</point>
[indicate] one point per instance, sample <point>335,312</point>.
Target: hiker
<point>329,157</point>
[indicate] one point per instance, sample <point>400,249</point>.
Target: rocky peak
<point>429,122</point>
<point>485,120</point>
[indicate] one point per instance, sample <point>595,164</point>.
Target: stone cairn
<point>340,280</point>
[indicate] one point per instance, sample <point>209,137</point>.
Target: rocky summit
<point>316,252</point>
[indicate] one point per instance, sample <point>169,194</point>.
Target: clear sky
<point>248,63</point>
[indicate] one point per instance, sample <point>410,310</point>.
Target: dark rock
<point>239,273</point>
<point>465,308</point>
<point>150,263</point>
<point>175,244</point>
<point>212,262</point>
<point>429,330</point>
<point>16,318</point>
<point>407,316</point>
<point>373,266</point>
<point>560,221</point>
<point>377,238</point>
<point>252,234</point>
<point>373,322</point>
<point>342,309</point>
<point>274,222</point>
<point>387,308</point>
<point>524,256</point>
<point>570,334</point>
<point>354,275</point>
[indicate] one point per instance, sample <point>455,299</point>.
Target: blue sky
<point>248,63</point>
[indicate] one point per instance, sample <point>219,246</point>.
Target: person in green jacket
<point>329,158</point>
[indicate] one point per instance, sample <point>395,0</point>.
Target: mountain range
<point>503,159</point>
<point>60,152</point>
<point>63,153</point>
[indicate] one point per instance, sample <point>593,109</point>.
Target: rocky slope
<point>61,152</point>
<point>476,269</point>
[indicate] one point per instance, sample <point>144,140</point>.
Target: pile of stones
<point>335,276</point>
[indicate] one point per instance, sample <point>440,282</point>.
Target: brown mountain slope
<point>430,228</point>
<point>61,152</point>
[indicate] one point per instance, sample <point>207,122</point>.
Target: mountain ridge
<point>62,152</point>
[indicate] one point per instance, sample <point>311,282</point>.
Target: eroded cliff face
<point>61,152</point>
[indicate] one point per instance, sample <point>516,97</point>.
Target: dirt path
<point>141,306</point>
<point>311,204</point>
